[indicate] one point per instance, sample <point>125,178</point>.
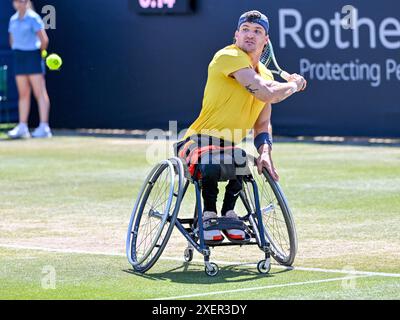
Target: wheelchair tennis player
<point>238,97</point>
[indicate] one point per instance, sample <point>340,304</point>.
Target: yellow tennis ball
<point>44,54</point>
<point>54,61</point>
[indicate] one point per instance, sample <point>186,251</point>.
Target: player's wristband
<point>262,138</point>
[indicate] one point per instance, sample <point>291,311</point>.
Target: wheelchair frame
<point>192,228</point>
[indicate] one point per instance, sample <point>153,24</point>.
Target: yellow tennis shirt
<point>229,111</point>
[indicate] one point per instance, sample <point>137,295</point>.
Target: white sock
<point>44,125</point>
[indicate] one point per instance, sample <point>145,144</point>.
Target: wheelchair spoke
<point>160,199</point>
<point>148,234</point>
<point>276,220</point>
<point>155,207</point>
<point>145,232</point>
<point>151,234</point>
<point>277,231</point>
<point>266,194</point>
<point>159,191</point>
<point>162,192</point>
<point>164,201</point>
<point>274,226</point>
<point>250,197</point>
<point>148,226</point>
<point>272,215</point>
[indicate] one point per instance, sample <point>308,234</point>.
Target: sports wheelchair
<point>268,222</point>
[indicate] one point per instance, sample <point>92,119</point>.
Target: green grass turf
<point>77,193</point>
<point>81,276</point>
<point>4,127</point>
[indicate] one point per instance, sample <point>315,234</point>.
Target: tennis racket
<point>269,60</point>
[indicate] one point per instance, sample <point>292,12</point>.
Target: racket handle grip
<point>285,75</point>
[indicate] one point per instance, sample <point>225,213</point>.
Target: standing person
<point>28,39</point>
<point>237,98</point>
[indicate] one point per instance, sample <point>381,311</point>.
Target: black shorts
<point>28,62</point>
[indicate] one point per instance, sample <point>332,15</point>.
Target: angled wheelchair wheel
<point>277,219</point>
<point>154,214</point>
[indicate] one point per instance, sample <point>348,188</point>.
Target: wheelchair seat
<point>196,154</point>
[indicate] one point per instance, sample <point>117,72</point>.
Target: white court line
<point>74,251</point>
<point>259,288</point>
<point>231,263</point>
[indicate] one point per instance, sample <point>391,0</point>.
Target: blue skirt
<point>28,62</point>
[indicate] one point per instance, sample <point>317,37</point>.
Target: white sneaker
<point>21,131</point>
<point>211,235</point>
<point>234,234</point>
<point>42,131</point>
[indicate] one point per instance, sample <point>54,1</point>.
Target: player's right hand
<point>265,161</point>
<point>299,80</point>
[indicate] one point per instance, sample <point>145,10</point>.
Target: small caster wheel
<point>188,255</point>
<point>264,266</point>
<point>212,269</point>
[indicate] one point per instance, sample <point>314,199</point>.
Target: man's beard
<point>254,49</point>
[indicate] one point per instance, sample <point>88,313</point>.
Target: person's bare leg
<point>24,105</point>
<point>38,84</point>
<point>24,98</point>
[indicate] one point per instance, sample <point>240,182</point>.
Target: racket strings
<point>266,56</point>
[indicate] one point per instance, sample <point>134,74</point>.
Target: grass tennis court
<point>74,195</point>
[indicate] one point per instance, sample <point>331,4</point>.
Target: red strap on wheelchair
<point>192,159</point>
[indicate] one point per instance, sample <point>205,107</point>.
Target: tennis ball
<point>54,61</point>
<point>44,54</point>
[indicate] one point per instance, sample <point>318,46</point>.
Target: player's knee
<point>25,94</point>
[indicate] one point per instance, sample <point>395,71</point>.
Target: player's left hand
<point>265,161</point>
